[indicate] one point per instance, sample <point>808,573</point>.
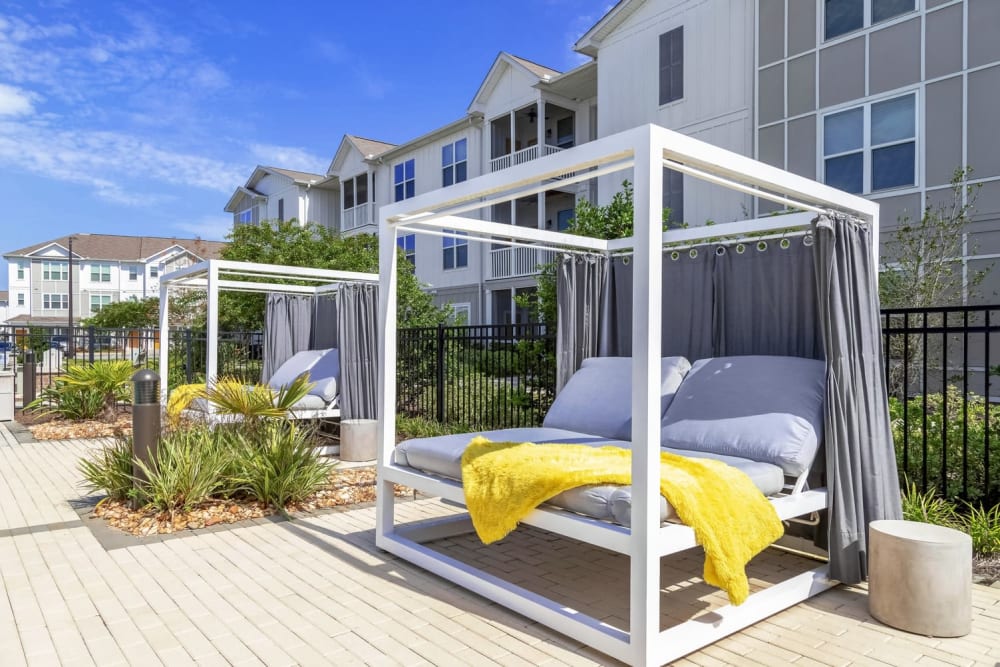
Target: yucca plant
<point>230,396</point>
<point>188,469</point>
<point>77,403</point>
<point>983,526</point>
<point>278,465</point>
<point>109,469</point>
<point>111,379</point>
<point>928,507</point>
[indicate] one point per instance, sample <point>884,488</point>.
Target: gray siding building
<point>886,98</point>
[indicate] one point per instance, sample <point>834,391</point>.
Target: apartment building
<point>272,193</point>
<point>106,268</point>
<point>884,98</point>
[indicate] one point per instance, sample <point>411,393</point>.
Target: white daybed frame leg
<point>385,498</point>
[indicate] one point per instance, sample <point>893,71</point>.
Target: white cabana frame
<point>646,149</point>
<point>217,275</point>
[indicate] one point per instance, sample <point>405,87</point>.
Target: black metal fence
<point>941,370</point>
<point>482,377</point>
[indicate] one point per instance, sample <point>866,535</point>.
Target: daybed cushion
<point>324,374</point>
<point>294,366</point>
<point>762,408</point>
<point>598,397</point>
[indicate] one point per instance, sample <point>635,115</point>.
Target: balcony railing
<point>517,262</point>
<point>358,216</point>
<point>520,157</point>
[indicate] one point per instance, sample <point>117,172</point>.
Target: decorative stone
<point>920,578</point>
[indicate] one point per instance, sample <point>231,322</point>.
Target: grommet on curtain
<point>693,253</point>
<point>674,256</point>
<point>720,251</point>
<point>740,248</point>
<point>626,259</point>
<point>807,240</point>
<point>761,246</point>
<point>785,244</point>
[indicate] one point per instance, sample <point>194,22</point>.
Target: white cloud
<point>15,102</point>
<point>288,157</point>
<point>209,227</point>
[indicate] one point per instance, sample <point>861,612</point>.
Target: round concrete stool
<point>358,439</point>
<point>920,578</point>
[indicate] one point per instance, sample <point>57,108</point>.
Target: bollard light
<point>145,419</point>
<point>28,379</point>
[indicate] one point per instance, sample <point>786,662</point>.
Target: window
<point>245,217</point>
<point>100,273</point>
<point>355,191</point>
<point>672,65</point>
<point>154,271</point>
<point>98,301</point>
<point>20,298</point>
<point>843,16</point>
<point>20,271</point>
<point>872,147</point>
<point>55,271</point>
<point>133,272</point>
<point>55,301</point>
<point>673,196</point>
<point>454,165</point>
<point>408,244</point>
<point>455,250</point>
<point>461,314</point>
<point>403,180</point>
<point>281,210</point>
<point>563,218</point>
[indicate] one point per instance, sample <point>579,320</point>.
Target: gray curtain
<point>323,334</point>
<point>287,327</point>
<point>580,284</point>
<point>356,331</point>
<point>860,459</point>
<point>766,300</point>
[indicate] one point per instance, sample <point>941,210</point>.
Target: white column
<point>164,340</point>
<point>542,207</point>
<point>540,126</point>
<point>370,215</point>
<point>384,508</point>
<point>646,329</point>
<point>513,142</point>
<point>212,329</point>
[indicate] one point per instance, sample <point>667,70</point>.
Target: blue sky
<point>143,117</point>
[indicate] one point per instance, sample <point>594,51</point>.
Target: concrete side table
<point>920,578</point>
<point>358,439</point>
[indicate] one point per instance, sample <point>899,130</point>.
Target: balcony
<point>517,262</point>
<point>520,157</point>
<point>358,216</point>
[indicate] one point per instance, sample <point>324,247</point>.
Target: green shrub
<point>983,526</point>
<point>946,420</point>
<point>187,470</point>
<point>422,427</point>
<point>928,507</point>
<point>110,379</point>
<point>68,402</point>
<point>110,469</point>
<point>277,464</point>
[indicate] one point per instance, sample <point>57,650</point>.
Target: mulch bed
<point>51,427</point>
<point>349,486</point>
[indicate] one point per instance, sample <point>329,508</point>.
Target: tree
<point>315,246</point>
<point>922,263</point>
<point>127,315</point>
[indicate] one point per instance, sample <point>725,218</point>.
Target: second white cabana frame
<point>646,150</point>
<point>217,275</point>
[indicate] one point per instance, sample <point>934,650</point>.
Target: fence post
<point>188,374</point>
<point>90,343</point>
<point>28,377</point>
<point>440,373</point>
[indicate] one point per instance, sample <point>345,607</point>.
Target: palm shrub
<point>110,469</point>
<point>928,507</point>
<point>111,379</point>
<point>68,402</point>
<point>231,397</point>
<point>277,463</point>
<point>983,526</point>
<point>187,470</point>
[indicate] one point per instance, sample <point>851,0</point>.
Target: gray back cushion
<point>762,408</point>
<point>296,365</point>
<point>598,397</point>
<point>325,373</point>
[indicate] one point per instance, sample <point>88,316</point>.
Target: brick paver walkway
<point>316,591</point>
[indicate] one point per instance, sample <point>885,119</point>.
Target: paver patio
<point>317,591</point>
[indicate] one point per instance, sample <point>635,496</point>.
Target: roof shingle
<point>124,248</point>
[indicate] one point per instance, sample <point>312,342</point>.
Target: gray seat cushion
<point>324,375</point>
<point>598,397</point>
<point>294,366</point>
<point>762,408</point>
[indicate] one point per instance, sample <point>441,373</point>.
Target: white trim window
<point>871,147</point>
<point>20,298</point>
<point>844,16</point>
<point>408,244</point>
<point>245,217</point>
<point>133,273</point>
<point>671,66</point>
<point>100,272</point>
<point>20,270</point>
<point>404,180</point>
<point>454,162</point>
<point>154,271</point>
<point>55,301</point>
<point>55,270</point>
<point>455,251</point>
<point>98,301</point>
<point>461,314</point>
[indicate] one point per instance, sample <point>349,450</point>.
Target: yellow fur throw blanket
<point>731,518</point>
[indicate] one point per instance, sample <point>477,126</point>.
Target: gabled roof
<point>368,148</point>
<point>302,177</point>
<point>497,69</point>
<point>455,125</point>
<point>123,248</point>
<point>238,194</point>
<point>591,40</point>
<point>577,84</point>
